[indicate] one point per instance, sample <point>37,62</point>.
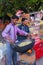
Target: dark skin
<point>14,21</point>
<point>8,37</point>
<point>26,22</point>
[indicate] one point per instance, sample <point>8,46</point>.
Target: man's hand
<point>28,36</point>
<point>9,40</point>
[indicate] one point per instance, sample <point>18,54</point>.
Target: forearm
<point>21,32</point>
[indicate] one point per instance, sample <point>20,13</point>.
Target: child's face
<point>26,22</point>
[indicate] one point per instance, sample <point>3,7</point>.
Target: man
<point>10,34</point>
<point>23,26</point>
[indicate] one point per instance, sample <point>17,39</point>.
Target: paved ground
<point>39,61</point>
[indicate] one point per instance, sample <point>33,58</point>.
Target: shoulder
<point>20,26</point>
<point>8,26</point>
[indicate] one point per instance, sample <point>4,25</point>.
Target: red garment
<point>38,47</point>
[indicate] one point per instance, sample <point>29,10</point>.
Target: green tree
<point>11,6</point>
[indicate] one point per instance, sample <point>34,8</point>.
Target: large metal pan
<point>27,44</point>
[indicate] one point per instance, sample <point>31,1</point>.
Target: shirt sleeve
<point>21,32</point>
<point>5,31</point>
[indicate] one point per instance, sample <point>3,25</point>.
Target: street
<point>39,61</point>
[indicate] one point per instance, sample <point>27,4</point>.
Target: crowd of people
<point>11,32</point>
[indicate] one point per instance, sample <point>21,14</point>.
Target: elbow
<point>4,35</point>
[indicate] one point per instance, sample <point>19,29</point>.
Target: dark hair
<point>6,17</point>
<point>15,17</point>
<point>23,19</point>
<point>23,9</point>
<point>1,18</point>
<point>22,12</point>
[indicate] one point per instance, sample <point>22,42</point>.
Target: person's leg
<point>14,57</point>
<point>8,54</point>
<point>15,61</point>
<point>18,56</point>
<point>34,63</point>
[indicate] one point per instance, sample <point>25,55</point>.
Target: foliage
<point>11,6</point>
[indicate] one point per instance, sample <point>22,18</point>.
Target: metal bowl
<point>23,49</point>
